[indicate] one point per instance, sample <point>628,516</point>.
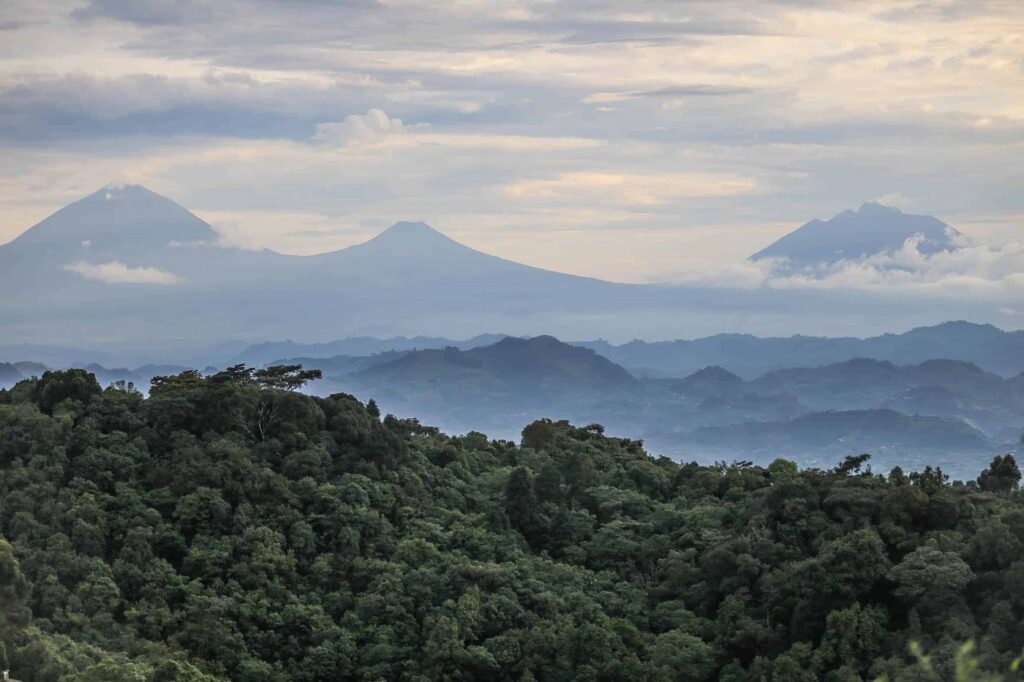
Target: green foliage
<point>56,387</point>
<point>229,528</point>
<point>1002,476</point>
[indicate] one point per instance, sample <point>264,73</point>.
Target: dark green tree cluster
<point>228,527</point>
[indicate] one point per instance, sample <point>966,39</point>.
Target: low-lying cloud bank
<point>969,271</point>
<point>116,272</point>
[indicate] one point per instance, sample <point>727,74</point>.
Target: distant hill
<point>852,235</point>
<point>542,365</point>
<point>492,387</point>
<point>992,349</point>
<point>712,380</point>
<point>944,388</point>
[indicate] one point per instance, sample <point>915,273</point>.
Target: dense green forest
<point>230,528</point>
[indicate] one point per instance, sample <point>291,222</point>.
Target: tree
<point>540,434</point>
<point>54,387</point>
<point>521,502</point>
<point>930,574</point>
<point>783,470</point>
<point>1002,476</point>
<point>14,597</point>
<point>285,377</point>
<point>931,480</point>
<point>852,464</point>
<point>686,657</point>
<point>171,538</point>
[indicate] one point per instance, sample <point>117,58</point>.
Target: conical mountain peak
<point>413,239</point>
<point>412,232</point>
<point>120,216</point>
<point>411,227</point>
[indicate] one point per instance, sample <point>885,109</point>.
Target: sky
<point>633,141</point>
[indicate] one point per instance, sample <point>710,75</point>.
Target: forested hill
<point>230,528</point>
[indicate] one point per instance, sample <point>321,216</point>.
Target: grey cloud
<point>675,91</point>
<point>580,31</point>
<point>951,10</point>
<point>147,12</point>
<point>181,12</point>
<point>82,107</point>
<point>695,91</point>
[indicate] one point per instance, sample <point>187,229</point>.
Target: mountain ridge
<point>177,279</point>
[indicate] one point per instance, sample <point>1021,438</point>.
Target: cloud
<point>147,12</point>
<point>629,188</point>
<point>116,272</point>
<point>671,91</point>
<point>604,116</point>
<point>360,128</point>
<point>894,199</point>
<point>971,271</point>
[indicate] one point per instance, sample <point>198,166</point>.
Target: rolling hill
<point>528,368</point>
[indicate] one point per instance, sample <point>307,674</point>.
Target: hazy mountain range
<point>945,411</point>
<point>128,259</point>
<point>991,348</point>
<point>126,264</point>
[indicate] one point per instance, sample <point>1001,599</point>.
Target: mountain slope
<point>851,235</point>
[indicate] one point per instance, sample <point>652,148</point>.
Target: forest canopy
<point>227,527</point>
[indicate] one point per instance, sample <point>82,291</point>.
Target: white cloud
<point>629,189</point>
<point>116,272</point>
<point>972,271</point>
<point>895,199</point>
<point>360,128</point>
